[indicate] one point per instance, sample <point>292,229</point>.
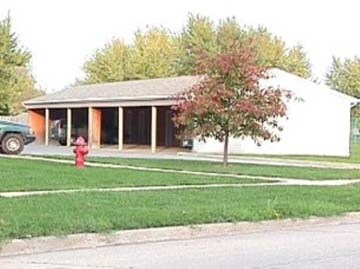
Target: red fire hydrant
<point>80,150</point>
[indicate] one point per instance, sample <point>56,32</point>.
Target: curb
<point>82,241</point>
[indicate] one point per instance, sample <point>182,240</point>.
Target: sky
<point>62,35</point>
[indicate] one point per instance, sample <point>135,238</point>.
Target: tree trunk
<point>226,150</point>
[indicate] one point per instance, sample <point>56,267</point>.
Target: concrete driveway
<point>142,152</point>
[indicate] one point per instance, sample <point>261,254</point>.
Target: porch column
<point>47,116</point>
<point>90,126</point>
<point>68,129</point>
<point>121,128</point>
<point>153,128</point>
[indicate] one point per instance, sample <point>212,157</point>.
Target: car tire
<point>62,142</point>
<point>12,144</point>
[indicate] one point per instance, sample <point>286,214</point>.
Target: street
<point>317,246</point>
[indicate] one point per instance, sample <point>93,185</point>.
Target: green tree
<point>109,64</point>
<point>16,82</point>
<point>23,90</point>
<point>272,51</point>
<point>159,53</point>
<point>297,62</point>
<point>153,54</point>
<point>344,75</point>
<point>199,34</point>
<point>229,34</point>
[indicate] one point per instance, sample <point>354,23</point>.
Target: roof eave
<point>30,103</point>
<point>354,102</point>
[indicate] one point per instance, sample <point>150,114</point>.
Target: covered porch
<point>124,128</point>
<point>119,115</point>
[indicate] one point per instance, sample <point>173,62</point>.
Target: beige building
<point>120,114</point>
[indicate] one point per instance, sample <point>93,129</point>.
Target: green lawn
<point>245,169</point>
<point>102,212</point>
<point>18,175</point>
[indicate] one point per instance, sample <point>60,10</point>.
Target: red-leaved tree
<point>228,100</point>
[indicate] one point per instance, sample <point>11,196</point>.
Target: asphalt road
<point>318,246</point>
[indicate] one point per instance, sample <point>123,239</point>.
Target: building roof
<point>143,91</point>
<point>305,88</point>
<point>150,89</point>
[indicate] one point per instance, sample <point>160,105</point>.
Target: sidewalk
<point>286,182</point>
<point>272,161</point>
<point>18,247</point>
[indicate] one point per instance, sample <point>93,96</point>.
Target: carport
<point>118,115</point>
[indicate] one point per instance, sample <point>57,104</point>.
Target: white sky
<point>62,34</point>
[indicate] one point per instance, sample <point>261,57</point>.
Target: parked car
<point>13,137</point>
<point>58,132</point>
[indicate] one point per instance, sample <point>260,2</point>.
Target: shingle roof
<point>165,88</point>
<point>161,88</point>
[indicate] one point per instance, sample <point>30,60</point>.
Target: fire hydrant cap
<point>80,141</point>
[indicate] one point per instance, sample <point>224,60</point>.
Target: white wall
<point>317,125</point>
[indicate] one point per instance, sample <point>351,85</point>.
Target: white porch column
<point>47,116</point>
<point>90,126</point>
<point>153,128</point>
<point>68,129</point>
<point>121,128</point>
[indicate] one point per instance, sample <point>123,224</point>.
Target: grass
<point>20,175</point>
<point>103,212</point>
<point>245,169</point>
<point>310,173</point>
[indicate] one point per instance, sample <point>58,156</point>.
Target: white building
<point>319,124</point>
<point>138,113</point>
